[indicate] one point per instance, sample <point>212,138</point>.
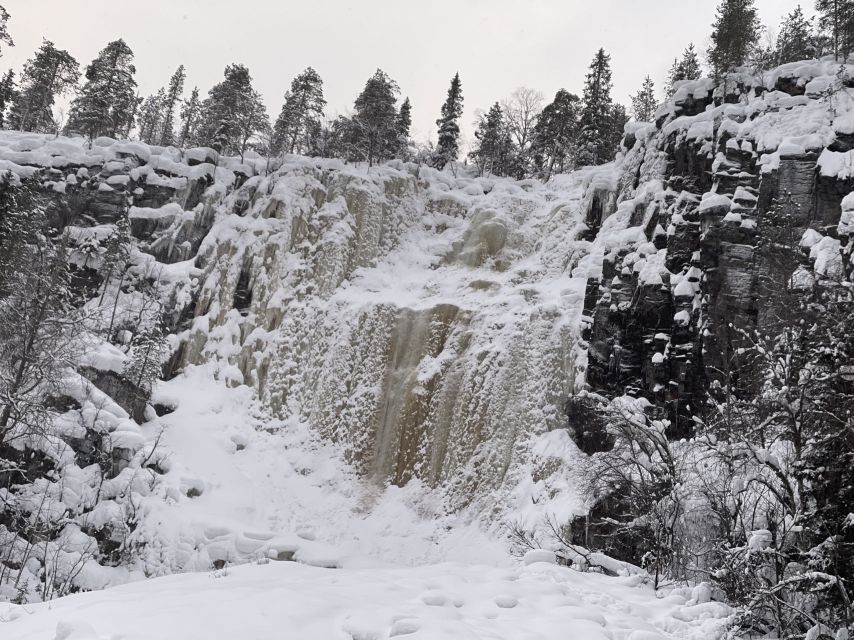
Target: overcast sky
<point>496,45</point>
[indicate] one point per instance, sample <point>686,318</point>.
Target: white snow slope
<point>290,601</point>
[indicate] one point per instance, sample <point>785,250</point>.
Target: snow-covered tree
<point>494,151</point>
<point>150,118</point>
<point>686,68</point>
<point>7,94</point>
<point>596,124</point>
<point>50,73</point>
<point>448,147</point>
<point>796,40</point>
<point>836,19</point>
<point>38,323</point>
<point>145,361</point>
<point>5,38</point>
<point>106,104</point>
<point>402,126</point>
<point>232,114</point>
<point>191,110</point>
<point>553,143</point>
<point>171,98</point>
<point>375,118</point>
<point>302,112</point>
<point>734,34</point>
<point>644,102</point>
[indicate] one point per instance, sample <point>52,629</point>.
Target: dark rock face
<point>666,338</point>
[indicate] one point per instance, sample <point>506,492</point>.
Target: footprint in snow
<point>506,602</point>
<point>404,627</point>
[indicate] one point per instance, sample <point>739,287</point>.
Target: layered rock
<point>679,277</point>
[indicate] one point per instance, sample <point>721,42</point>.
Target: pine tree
<point>5,38</point>
<point>50,73</point>
<point>171,98</point>
<point>596,122</point>
<point>374,119</point>
<point>644,102</point>
<point>402,126</point>
<point>107,103</point>
<point>191,110</point>
<point>7,95</point>
<point>150,117</point>
<point>448,147</point>
<point>553,147</point>
<point>232,114</point>
<point>299,121</point>
<point>734,34</point>
<point>836,19</point>
<point>688,68</point>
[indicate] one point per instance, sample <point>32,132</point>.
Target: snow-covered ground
<point>291,601</point>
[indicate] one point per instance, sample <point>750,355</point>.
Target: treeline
<point>520,136</point>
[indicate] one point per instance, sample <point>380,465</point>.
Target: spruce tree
<point>596,122</point>
<point>734,34</point>
<point>617,125</point>
<point>402,126</point>
<point>191,110</point>
<point>644,102</point>
<point>448,147</point>
<point>836,20</point>
<point>232,114</point>
<point>553,147</point>
<point>171,98</point>
<point>50,73</point>
<point>107,103</point>
<point>7,95</point>
<point>795,41</point>
<point>302,112</point>
<point>688,68</point>
<point>375,117</point>
<point>490,135</point>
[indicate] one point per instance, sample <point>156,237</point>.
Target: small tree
<point>448,148</point>
<point>688,68</point>
<point>151,117</point>
<point>402,126</point>
<point>171,98</point>
<point>190,113</point>
<point>7,95</point>
<point>644,102</point>
<point>145,361</point>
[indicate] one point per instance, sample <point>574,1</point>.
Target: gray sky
<point>496,45</point>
